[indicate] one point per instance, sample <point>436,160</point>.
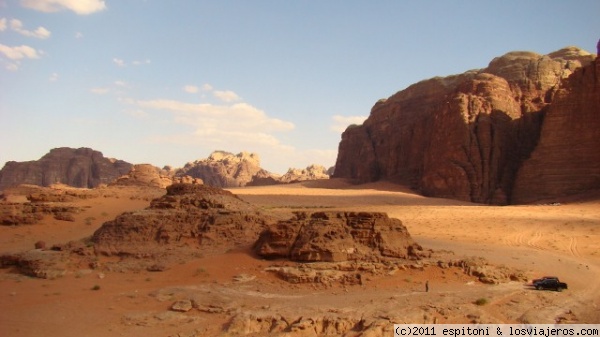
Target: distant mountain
<point>225,169</point>
<point>81,167</point>
<point>525,128</point>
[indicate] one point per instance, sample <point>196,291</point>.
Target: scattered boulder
<point>312,172</point>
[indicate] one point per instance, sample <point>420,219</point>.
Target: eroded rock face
<point>567,158</point>
<point>81,167</point>
<point>337,236</point>
<point>187,219</point>
<point>224,169</point>
<point>466,136</point>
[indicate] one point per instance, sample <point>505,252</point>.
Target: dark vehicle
<point>549,283</point>
<point>544,278</point>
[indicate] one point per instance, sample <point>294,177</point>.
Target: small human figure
<point>598,49</point>
<point>427,286</point>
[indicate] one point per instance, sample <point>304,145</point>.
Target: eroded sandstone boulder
<point>337,236</point>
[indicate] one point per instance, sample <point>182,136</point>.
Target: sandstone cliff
<point>567,158</point>
<point>466,136</point>
<point>81,167</point>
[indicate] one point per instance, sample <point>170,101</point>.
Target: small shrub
<point>96,287</point>
<point>481,301</point>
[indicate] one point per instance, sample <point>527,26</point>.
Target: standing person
<point>427,286</point>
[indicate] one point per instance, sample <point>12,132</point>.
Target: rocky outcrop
<point>224,169</point>
<point>148,175</point>
<point>81,167</point>
<point>567,158</point>
<point>337,236</point>
<point>466,136</point>
<point>311,172</point>
<point>187,219</point>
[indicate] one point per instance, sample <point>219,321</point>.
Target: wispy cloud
<point>53,77</point>
<point>79,35</point>
<point>226,96</point>
<point>19,52</point>
<point>118,62</point>
<point>140,63</point>
<point>191,89</point>
<point>17,26</point>
<point>340,123</point>
<point>234,126</point>
<point>81,7</point>
<point>2,24</point>
<point>99,91</point>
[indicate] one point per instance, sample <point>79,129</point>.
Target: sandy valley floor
<point>561,240</point>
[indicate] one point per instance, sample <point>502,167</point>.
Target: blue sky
<point>167,82</point>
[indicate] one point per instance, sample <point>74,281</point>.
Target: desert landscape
<point>479,262</point>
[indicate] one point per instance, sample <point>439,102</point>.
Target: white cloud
<point>119,62</point>
<point>121,83</point>
<point>79,35</point>
<point>192,89</point>
<point>40,32</point>
<point>226,96</point>
<point>99,91</point>
<point>2,24</point>
<point>340,123</point>
<point>19,52</point>
<point>53,77</point>
<point>81,7</point>
<point>234,127</point>
<point>207,87</point>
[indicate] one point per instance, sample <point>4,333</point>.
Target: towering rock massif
<point>567,158</point>
<point>224,169</point>
<point>466,136</point>
<point>81,167</point>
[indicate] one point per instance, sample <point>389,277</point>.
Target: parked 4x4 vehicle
<point>549,282</point>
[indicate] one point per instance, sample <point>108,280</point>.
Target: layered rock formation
<point>188,218</point>
<point>81,167</point>
<point>466,136</point>
<point>224,169</point>
<point>337,236</point>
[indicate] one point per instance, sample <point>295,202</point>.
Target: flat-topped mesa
<point>467,136</point>
<point>337,236</point>
<point>81,167</point>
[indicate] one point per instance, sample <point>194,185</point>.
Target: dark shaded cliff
<point>467,136</point>
<point>81,167</point>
